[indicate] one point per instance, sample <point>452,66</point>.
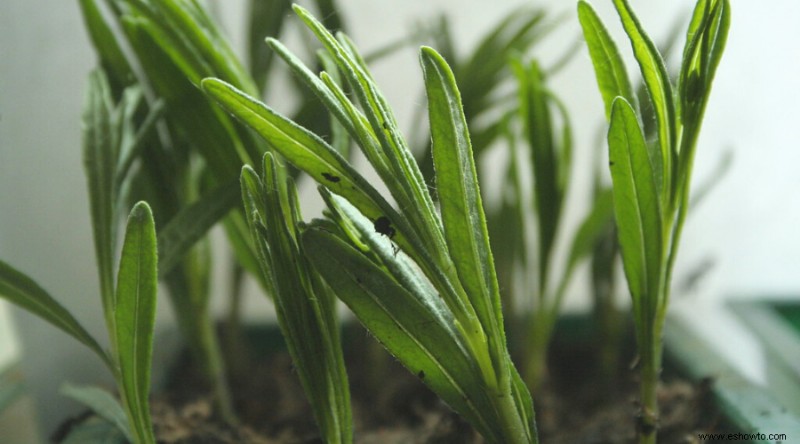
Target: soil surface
<point>390,405</point>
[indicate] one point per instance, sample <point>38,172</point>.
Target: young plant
<point>424,284</point>
<point>550,159</point>
<point>130,315</point>
<point>189,169</point>
<point>651,181</point>
<point>111,140</point>
<point>305,305</point>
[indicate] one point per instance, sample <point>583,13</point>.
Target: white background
<point>748,226</point>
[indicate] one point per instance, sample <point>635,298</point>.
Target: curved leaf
<point>659,89</point>
<point>424,340</point>
<point>460,198</point>
<point>21,290</point>
<point>609,68</point>
<point>301,147</point>
<point>304,305</point>
<point>100,158</point>
<point>637,206</point>
<point>192,223</point>
<point>135,313</point>
<point>101,402</point>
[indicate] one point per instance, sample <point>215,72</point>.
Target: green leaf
<point>95,430</point>
<point>192,223</point>
<point>101,402</point>
<point>659,89</point>
<point>637,207</point>
<point>718,38</point>
<point>340,139</point>
<point>609,68</point>
<point>487,66</point>
<point>135,312</point>
<point>404,180</point>
<point>590,230</point>
<point>549,161</point>
<point>355,225</point>
<point>198,39</point>
<point>705,43</point>
<point>107,46</point>
<point>136,135</point>
<point>312,82</point>
<point>304,306</point>
<point>304,149</point>
<point>460,198</point>
<point>21,290</point>
<point>415,327</point>
<point>206,129</point>
<point>100,159</point>
<point>331,16</point>
<point>266,18</point>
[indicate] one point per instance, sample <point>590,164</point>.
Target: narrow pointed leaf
<point>106,44</point>
<point>192,223</point>
<point>137,286</point>
<point>405,180</point>
<point>718,38</point>
<point>636,203</point>
<point>101,402</point>
<point>100,157</point>
<point>301,147</point>
<point>95,430</point>
<point>545,159</point>
<point>659,89</point>
<point>460,199</point>
<point>306,312</point>
<point>21,290</point>
<point>312,82</point>
<point>590,230</point>
<point>266,19</point>
<point>609,68</point>
<point>424,340</point>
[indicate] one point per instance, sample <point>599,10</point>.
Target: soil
<point>390,405</point>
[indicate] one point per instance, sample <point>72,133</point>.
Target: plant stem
<point>197,328</point>
<point>215,369</point>
<point>650,361</point>
<point>515,430</point>
<point>538,339</point>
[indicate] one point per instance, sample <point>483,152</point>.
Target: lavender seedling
<point>651,180</point>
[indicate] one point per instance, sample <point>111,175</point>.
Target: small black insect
<point>610,163</point>
<point>384,226</point>
<point>331,177</point>
<point>421,374</point>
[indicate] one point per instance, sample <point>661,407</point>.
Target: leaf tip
<point>141,210</point>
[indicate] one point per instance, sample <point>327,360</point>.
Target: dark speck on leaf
<point>384,226</point>
<point>421,374</point>
<point>611,163</point>
<point>331,177</point>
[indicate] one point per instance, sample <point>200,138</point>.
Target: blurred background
<point>745,235</point>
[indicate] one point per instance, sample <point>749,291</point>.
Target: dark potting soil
<point>390,405</point>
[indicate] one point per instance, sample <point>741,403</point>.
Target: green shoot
<point>651,184</point>
<point>304,304</point>
<point>132,317</point>
<point>446,326</point>
<point>550,160</point>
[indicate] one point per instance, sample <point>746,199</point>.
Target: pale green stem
<point>515,431</point>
